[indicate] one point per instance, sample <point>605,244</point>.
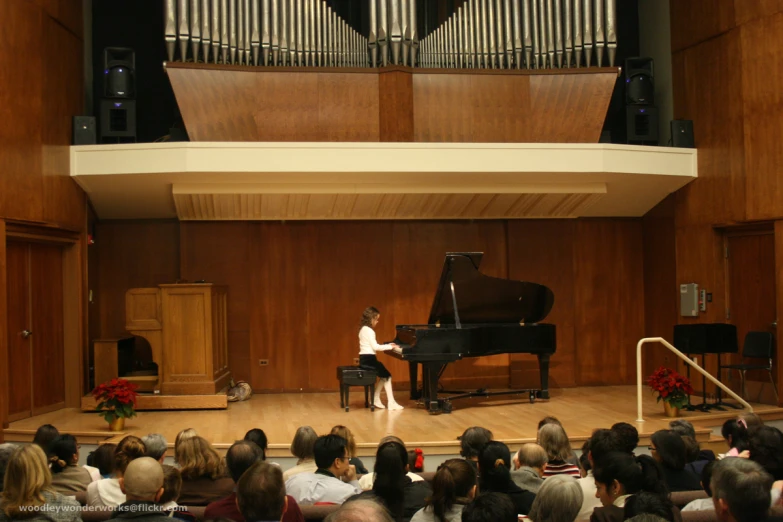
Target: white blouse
<point>367,343</point>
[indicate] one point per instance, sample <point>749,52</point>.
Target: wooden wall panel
<point>543,252</point>
<point>4,374</point>
<point>762,70</point>
<point>708,90</point>
<point>608,300</point>
<point>747,10</point>
<point>700,259</point>
<point>68,13</point>
<point>779,301</point>
<point>396,105</point>
<point>695,21</point>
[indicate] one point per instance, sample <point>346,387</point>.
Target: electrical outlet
<point>356,361</point>
<point>263,362</point>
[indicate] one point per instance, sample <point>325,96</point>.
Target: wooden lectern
<point>187,331</point>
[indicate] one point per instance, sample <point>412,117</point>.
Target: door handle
<point>775,324</point>
<point>26,334</point>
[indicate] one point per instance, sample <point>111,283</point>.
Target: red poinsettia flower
<point>116,398</point>
<point>670,386</point>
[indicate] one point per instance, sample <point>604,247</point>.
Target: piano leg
<point>413,369</point>
<point>431,373</point>
<point>543,368</point>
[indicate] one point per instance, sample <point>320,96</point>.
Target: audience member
<point>495,476</point>
<point>548,420</point>
<point>102,459</point>
<point>619,475</point>
<point>142,484</point>
<point>326,484</point>
<point>735,433</point>
<point>392,487</point>
<point>240,457</point>
<point>558,500</point>
<point>367,480</point>
<point>345,433</point>
<point>529,462</point>
<point>552,437</point>
<point>471,442</point>
<point>584,460</point>
<point>696,457</point>
<point>28,493</point>
<point>703,504</point>
<point>156,446</point>
<point>67,476</point>
<point>750,419</point>
<point>765,445</point>
<point>646,518</point>
<point>416,460</point>
<point>302,449</point>
<point>187,433</point>
<point>645,503</point>
<point>628,435</point>
<point>601,443</point>
<point>6,450</point>
<point>360,511</point>
<point>44,435</point>
<point>668,449</point>
<point>261,493</point>
<point>740,491</point>
<point>172,485</point>
<point>257,436</point>
<point>204,476</point>
<point>490,507</point>
<point>453,487</point>
<point>107,493</point>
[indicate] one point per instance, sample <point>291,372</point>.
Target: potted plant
<point>116,402</point>
<point>672,388</point>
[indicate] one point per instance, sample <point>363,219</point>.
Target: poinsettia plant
<point>670,386</point>
<point>116,398</point>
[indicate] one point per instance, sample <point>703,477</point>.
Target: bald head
<point>360,511</point>
<point>143,480</point>
<point>532,455</point>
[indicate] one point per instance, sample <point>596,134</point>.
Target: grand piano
<point>474,315</point>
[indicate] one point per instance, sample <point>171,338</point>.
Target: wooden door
<point>752,298</point>
<point>35,329</point>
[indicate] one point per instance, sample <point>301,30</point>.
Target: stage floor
<point>511,419</point>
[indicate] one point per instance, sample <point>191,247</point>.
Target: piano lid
<point>484,299</point>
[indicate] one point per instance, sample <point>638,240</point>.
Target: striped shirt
<point>558,467</point>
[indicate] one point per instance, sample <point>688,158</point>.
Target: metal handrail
<point>682,356</point>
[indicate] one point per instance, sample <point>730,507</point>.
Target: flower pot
<point>117,424</point>
<point>670,410</point>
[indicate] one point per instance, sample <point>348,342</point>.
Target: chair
<point>757,345</point>
<point>357,376</point>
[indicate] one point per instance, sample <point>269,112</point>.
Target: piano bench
<point>357,376</point>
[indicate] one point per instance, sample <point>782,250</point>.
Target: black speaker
<point>639,81</point>
<point>641,125</point>
<point>119,70</point>
<point>84,131</point>
<point>682,134</point>
<point>118,120</point>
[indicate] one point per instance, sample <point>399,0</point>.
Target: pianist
<point>368,346</point>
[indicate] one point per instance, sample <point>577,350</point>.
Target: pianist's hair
<point>368,315</point>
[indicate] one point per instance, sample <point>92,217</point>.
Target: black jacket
<point>416,495</point>
<point>522,499</point>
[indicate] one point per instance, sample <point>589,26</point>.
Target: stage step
<point>169,402</point>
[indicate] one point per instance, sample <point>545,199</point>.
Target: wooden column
<point>779,294</point>
<point>3,336</point>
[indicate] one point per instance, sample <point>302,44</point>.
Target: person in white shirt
<point>368,347</point>
<point>334,481</point>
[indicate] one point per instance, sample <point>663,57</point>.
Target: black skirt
<point>371,361</point>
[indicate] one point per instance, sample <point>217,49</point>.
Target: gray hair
<point>6,450</point>
<point>560,498</point>
<point>155,444</point>
<point>744,485</point>
<point>303,443</point>
<point>682,428</point>
<point>360,511</point>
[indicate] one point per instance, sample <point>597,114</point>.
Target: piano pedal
<point>532,396</point>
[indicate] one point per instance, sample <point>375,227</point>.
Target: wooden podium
<point>187,331</point>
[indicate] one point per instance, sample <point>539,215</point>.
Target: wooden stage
<point>511,419</point>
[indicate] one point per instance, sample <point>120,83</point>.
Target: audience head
<point>345,433</point>
<point>257,436</point>
<point>391,461</point>
<point>494,466</point>
<point>27,476</point>
<point>303,443</point>
<point>45,435</point>
<point>692,449</point>
<point>766,447</point>
<point>682,428</point>
<point>553,438</point>
<point>197,458</point>
<point>143,480</point>
<point>533,456</point>
<point>241,456</point>
<point>706,477</point>
<point>548,420</point>
<point>736,434</point>
<point>646,518</point>
<point>391,438</point>
<point>103,459</point>
<point>362,510</point>
<point>185,434</point>
<point>63,452</point>
<point>584,459</point>
<point>559,500</point>
<point>172,484</point>
<point>490,507</point>
<point>602,443</point>
<point>156,446</point>
<point>628,435</point>
<point>668,448</point>
<point>645,503</point>
<point>416,460</point>
<point>261,492</point>
<point>331,453</point>
<point>454,483</point>
<point>750,419</point>
<point>621,473</point>
<point>740,490</point>
<point>472,440</point>
<point>129,449</point>
<point>6,450</point>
